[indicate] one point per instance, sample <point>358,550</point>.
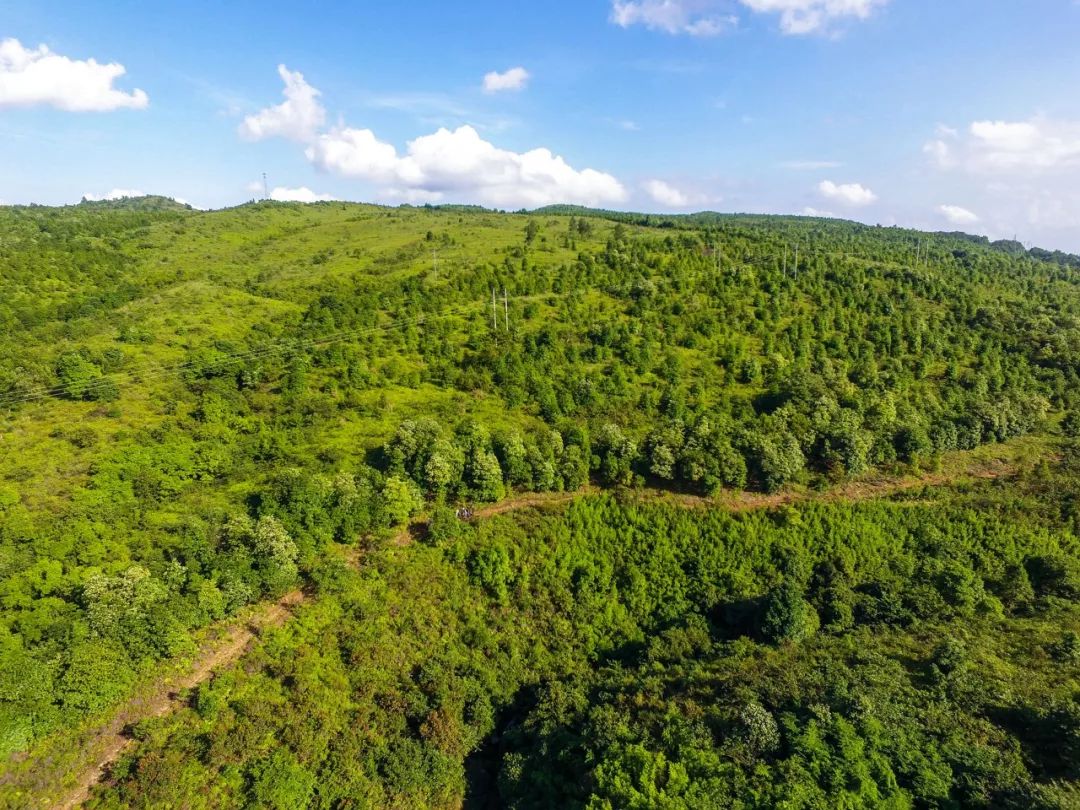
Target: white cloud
<point>355,153</point>
<point>302,194</point>
<point>810,165</point>
<point>32,77</point>
<point>454,163</point>
<point>513,79</point>
<point>297,118</point>
<point>813,16</point>
<point>255,186</point>
<point>810,211</point>
<point>957,215</point>
<point>115,194</point>
<point>847,193</point>
<point>668,195</point>
<point>1039,144</point>
<point>712,17</point>
<point>940,152</point>
<point>462,164</point>
<point>700,18</point>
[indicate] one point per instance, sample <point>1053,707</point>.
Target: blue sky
<point>957,114</point>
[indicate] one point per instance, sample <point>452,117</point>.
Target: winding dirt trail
<point>101,746</point>
<point>97,748</point>
<point>864,489</point>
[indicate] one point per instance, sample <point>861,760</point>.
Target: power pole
<point>506,311</point>
<point>494,312</point>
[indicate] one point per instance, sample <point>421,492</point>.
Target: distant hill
<point>702,219</point>
<point>148,202</point>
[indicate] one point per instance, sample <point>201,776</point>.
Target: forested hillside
<point>203,411</point>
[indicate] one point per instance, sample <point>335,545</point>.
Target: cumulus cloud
<point>699,18</point>
<point>1038,144</point>
<point>957,215</point>
<point>302,194</point>
<point>456,164</point>
<point>513,79</point>
<point>462,164</point>
<point>297,118</point>
<point>799,17</point>
<point>671,197</point>
<point>847,193</point>
<point>712,17</point>
<point>1021,176</point>
<point>38,77</point>
<point>115,194</point>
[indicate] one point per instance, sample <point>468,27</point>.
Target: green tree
<point>616,455</point>
<point>275,554</point>
<point>401,500</point>
<point>788,616</point>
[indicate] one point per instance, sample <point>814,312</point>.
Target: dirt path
<point>868,488</point>
<point>102,746</point>
<point>99,747</point>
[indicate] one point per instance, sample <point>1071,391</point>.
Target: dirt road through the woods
<point>104,745</point>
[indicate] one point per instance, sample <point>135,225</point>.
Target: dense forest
<point>915,653</point>
<point>203,411</point>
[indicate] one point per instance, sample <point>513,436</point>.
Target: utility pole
<point>494,312</point>
<point>506,311</point>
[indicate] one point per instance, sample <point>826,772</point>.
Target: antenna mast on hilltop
<point>266,188</point>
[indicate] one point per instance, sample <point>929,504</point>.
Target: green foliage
<point>605,656</point>
<point>200,405</point>
<point>280,782</point>
<point>401,499</point>
<point>788,617</point>
<point>779,459</point>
